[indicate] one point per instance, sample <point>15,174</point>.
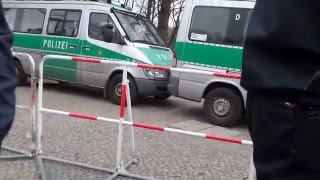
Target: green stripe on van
<point>60,69</point>
<point>51,45</point>
<point>157,56</point>
<point>213,55</point>
<point>58,45</point>
<point>101,52</point>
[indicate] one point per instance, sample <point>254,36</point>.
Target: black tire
<point>22,76</point>
<point>161,98</point>
<point>228,99</point>
<point>117,80</point>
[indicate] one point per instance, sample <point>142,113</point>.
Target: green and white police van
<point>90,29</point>
<point>210,38</point>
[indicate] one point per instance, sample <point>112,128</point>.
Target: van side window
<point>25,20</point>
<point>95,29</point>
<point>64,22</point>
<point>219,25</point>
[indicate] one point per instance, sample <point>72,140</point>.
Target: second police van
<point>210,38</point>
<point>90,29</point>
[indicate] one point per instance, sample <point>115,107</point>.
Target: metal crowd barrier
<point>121,166</point>
<point>120,169</point>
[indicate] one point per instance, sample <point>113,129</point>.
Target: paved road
<point>164,156</point>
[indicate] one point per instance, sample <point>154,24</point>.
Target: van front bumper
<point>149,87</point>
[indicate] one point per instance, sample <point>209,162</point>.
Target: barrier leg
<point>128,96</point>
<point>118,171</point>
<point>122,111</point>
<point>43,173</point>
<point>121,168</point>
<point>125,173</point>
<point>33,133</point>
<point>23,154</point>
<point>39,112</point>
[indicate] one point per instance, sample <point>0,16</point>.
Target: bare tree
<point>163,18</point>
<point>176,12</point>
<point>163,13</point>
<point>150,8</point>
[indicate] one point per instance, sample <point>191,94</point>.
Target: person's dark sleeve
<point>8,79</point>
<point>282,46</point>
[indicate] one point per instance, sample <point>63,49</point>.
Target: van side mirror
<point>121,41</point>
<point>107,32</point>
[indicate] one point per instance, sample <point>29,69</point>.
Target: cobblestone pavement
<point>161,155</point>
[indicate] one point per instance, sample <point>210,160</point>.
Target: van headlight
<point>153,73</point>
<point>156,74</point>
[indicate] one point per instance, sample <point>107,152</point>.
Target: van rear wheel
<point>115,89</point>
<point>223,107</point>
<point>22,76</point>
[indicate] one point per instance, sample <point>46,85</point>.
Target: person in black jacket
<point>8,79</point>
<point>281,64</point>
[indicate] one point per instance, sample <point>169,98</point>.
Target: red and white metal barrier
<point>149,126</point>
<point>163,68</point>
<point>32,109</point>
<point>124,90</point>
<point>125,99</point>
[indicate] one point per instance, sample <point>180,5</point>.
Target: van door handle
<point>73,46</point>
<point>87,47</point>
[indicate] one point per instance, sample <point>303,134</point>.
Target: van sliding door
<point>63,39</point>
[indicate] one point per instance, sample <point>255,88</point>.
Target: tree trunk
<point>173,38</point>
<point>163,19</point>
<point>149,9</point>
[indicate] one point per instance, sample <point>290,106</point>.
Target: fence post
<point>122,112</point>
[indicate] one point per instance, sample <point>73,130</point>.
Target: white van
<point>89,29</point>
<point>210,38</point>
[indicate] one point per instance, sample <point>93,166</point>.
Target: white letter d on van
<point>238,17</point>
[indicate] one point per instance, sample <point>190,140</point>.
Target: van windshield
<point>139,29</point>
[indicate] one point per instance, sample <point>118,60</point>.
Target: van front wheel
<point>223,107</point>
<point>115,89</point>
